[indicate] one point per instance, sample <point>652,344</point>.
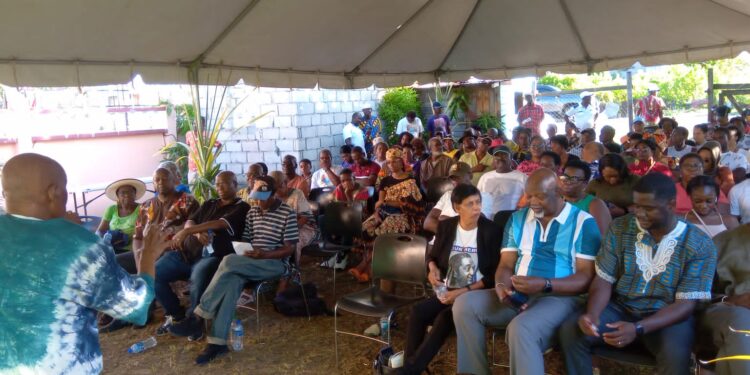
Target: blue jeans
<point>172,267</point>
<point>671,346</point>
<point>220,299</point>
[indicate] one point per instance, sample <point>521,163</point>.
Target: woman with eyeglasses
<point>691,166</point>
<point>572,183</point>
<point>704,197</point>
<point>537,149</point>
<point>614,185</point>
<point>646,154</point>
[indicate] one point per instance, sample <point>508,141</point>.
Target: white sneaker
<point>332,263</point>
<point>373,330</point>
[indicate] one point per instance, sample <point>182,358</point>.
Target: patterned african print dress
<point>389,219</point>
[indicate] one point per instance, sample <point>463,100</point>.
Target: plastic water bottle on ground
<point>142,346</point>
<point>384,328</point>
<point>238,335</point>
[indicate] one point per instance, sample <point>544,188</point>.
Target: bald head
<point>34,185</point>
<point>544,194</point>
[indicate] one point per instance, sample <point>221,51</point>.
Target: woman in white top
<point>705,215</point>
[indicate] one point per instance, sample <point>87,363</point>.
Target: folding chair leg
<point>336,333</point>
<point>304,296</point>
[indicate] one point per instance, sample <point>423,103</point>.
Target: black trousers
<point>421,347</point>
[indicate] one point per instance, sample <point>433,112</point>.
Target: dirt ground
<point>289,345</point>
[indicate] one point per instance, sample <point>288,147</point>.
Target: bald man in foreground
<point>546,262</point>
<point>55,276</point>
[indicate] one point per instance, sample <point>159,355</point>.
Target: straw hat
<point>138,185</point>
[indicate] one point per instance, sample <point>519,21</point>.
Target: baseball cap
<point>459,170</point>
<point>262,190</point>
<point>436,104</point>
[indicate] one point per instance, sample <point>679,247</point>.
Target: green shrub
<point>488,120</point>
<point>393,107</point>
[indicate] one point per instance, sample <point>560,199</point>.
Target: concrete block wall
<point>302,122</point>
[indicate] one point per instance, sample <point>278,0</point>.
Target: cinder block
<point>273,108</point>
<point>299,96</point>
<point>282,121</point>
<point>309,132</point>
<point>238,157</point>
<point>287,109</point>
<point>326,119</point>
<point>234,167</point>
<point>285,146</point>
<point>289,133</point>
<point>271,157</point>
<point>254,157</point>
<point>305,108</point>
<point>281,97</point>
<point>267,145</point>
<point>324,130</point>
<point>341,118</point>
<point>232,146</point>
<point>329,95</point>
<point>313,143</point>
<point>249,146</point>
<point>224,158</point>
<point>315,119</point>
<point>334,107</point>
<point>354,95</point>
<point>302,121</point>
<point>269,134</point>
<point>348,107</point>
<point>342,95</point>
<point>321,107</point>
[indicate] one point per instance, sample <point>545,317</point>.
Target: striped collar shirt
<point>268,231</point>
<point>551,252</point>
<point>647,275</point>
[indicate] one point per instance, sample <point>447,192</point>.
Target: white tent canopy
<point>354,43</point>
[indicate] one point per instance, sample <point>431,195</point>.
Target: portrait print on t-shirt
<point>463,266</point>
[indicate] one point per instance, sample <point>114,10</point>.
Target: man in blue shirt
<point>547,256</point>
<point>651,272</point>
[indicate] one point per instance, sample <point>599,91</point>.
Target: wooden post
<point>630,100</point>
<point>710,92</point>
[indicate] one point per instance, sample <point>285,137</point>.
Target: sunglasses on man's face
<point>568,179</point>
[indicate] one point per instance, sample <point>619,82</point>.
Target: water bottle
<point>440,291</point>
<point>238,334</point>
<point>208,250</point>
<point>107,238</point>
<point>384,328</point>
<point>142,346</point>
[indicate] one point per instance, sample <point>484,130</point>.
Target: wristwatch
<point>638,329</point>
<point>547,286</point>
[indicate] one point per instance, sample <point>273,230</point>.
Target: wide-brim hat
<point>586,93</point>
<point>111,190</point>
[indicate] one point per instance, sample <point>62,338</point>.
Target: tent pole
<point>630,99</point>
<point>710,92</point>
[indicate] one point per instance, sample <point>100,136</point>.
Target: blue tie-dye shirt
<point>54,277</point>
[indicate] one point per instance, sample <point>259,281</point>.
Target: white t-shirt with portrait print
<point>463,261</point>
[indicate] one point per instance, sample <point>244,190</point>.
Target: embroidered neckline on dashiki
<point>652,264</point>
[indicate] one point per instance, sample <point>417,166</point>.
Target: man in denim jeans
<point>651,272</point>
<point>271,228</point>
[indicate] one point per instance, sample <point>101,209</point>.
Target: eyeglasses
<point>537,145</point>
<point>571,179</point>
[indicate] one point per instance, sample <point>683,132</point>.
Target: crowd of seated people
<point>605,244</point>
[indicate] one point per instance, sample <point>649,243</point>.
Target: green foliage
<point>487,120</point>
<point>561,81</point>
<point>393,107</point>
<point>184,113</point>
<point>458,102</point>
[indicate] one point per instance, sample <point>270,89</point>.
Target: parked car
<point>555,106</point>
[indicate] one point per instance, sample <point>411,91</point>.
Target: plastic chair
<point>320,197</point>
<point>262,287</point>
<point>396,257</point>
<point>342,220</point>
<point>436,187</point>
<point>501,218</point>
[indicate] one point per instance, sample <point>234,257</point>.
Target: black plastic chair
<point>342,220</point>
<point>501,218</point>
<point>436,187</point>
<point>396,257</point>
<point>320,197</point>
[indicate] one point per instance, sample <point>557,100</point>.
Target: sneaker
<point>334,262</point>
<point>373,330</point>
<point>246,298</point>
<point>164,328</point>
<point>191,327</point>
<point>210,353</point>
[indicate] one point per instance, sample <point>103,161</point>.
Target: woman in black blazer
<point>464,257</point>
